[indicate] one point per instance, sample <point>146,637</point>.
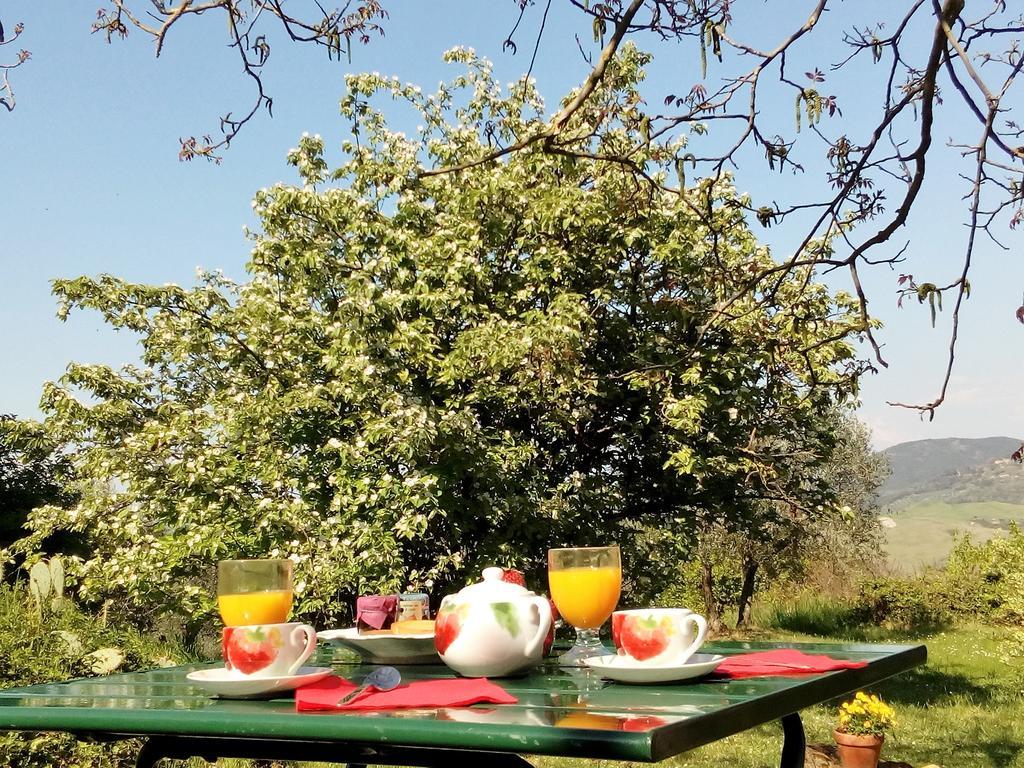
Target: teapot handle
<point>543,626</point>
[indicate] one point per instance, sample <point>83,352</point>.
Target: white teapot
<point>492,628</point>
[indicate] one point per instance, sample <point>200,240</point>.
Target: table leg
<point>794,743</point>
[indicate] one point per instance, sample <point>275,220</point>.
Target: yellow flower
<point>865,714</point>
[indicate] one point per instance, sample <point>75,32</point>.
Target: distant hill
<point>929,466</point>
<point>940,489</point>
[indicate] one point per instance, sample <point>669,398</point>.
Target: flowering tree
<point>915,73</point>
<point>426,374</point>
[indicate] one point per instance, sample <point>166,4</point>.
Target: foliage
<point>667,576</point>
<point>46,585</point>
<point>895,603</point>
<point>980,581</point>
<point>779,541</point>
<point>684,590</point>
<point>866,715</point>
<point>33,472</point>
<point>901,64</point>
<point>427,375</point>
<point>988,579</point>
<point>62,646</point>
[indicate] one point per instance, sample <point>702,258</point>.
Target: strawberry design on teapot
<point>492,628</point>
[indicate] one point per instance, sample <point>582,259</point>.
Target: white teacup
<point>267,650</point>
<point>658,636</point>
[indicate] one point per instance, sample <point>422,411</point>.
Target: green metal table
<point>568,713</point>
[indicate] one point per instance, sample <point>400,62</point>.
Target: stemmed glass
<point>585,583</point>
<point>254,591</point>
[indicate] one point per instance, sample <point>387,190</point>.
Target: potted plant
<point>863,723</point>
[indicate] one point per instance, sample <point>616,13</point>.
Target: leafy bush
<point>980,581</point>
<point>988,579</point>
<point>56,646</point>
<point>683,590</point>
<point>894,603</point>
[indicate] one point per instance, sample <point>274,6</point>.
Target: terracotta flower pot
<point>858,751</point>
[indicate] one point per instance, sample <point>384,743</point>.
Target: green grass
<point>924,532</point>
<point>810,615</point>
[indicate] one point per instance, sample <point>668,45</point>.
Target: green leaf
<point>507,616</point>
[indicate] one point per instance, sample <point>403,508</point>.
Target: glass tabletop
<point>560,711</point>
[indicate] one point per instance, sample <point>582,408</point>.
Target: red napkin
<point>781,662</point>
<point>451,692</point>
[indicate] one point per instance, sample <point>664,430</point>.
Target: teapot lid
<point>494,588</point>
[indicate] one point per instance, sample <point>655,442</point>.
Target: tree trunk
<point>707,588</point>
<point>747,592</point>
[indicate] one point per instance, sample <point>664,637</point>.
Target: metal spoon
<point>381,678</point>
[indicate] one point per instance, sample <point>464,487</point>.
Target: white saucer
<point>231,685</point>
<point>385,649</point>
<point>625,670</point>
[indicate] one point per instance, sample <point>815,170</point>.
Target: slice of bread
<point>413,627</point>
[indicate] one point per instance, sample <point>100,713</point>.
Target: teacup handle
<point>702,631</point>
<point>543,609</point>
<point>310,640</point>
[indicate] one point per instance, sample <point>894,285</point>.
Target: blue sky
<point>91,183</point>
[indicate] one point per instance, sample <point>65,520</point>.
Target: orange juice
<point>578,717</point>
<point>270,607</point>
<point>586,596</point>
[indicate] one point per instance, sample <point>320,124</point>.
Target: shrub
<point>988,579</point>
<point>684,591</point>
<point>55,646</point>
<point>908,604</point>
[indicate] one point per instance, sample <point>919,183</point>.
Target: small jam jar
<point>413,606</point>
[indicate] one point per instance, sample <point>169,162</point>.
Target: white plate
<point>625,670</point>
<point>232,685</point>
<point>385,649</point>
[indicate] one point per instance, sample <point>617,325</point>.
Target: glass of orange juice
<point>585,583</point>
<point>254,591</point>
